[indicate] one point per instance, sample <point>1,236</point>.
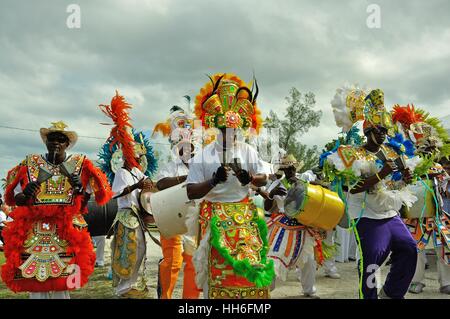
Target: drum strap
<point>155,240</point>
<point>141,222</point>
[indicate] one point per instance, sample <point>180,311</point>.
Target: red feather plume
<point>117,111</point>
<point>406,115</point>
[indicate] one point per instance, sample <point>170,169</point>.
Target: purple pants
<point>378,238</point>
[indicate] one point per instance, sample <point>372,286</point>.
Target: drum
<point>313,205</point>
<point>169,208</point>
<point>100,218</point>
<point>424,197</point>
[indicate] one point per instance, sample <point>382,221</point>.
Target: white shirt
<point>373,209</point>
<point>279,200</point>
<point>173,168</point>
<point>205,164</point>
<point>122,179</point>
<point>3,217</point>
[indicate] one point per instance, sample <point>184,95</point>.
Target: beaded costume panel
<point>56,190</point>
<point>45,254</point>
<point>238,240</point>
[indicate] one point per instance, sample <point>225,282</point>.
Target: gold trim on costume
<point>239,293</point>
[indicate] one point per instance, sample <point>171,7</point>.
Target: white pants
<point>307,266</point>
<point>443,270</point>
<point>50,295</point>
<point>306,274</point>
<point>100,251</point>
<point>347,245</point>
<point>329,263</point>
<point>126,285</point>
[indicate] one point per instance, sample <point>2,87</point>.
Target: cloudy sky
<point>156,51</point>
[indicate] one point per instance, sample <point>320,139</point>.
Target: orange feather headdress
<point>227,102</point>
<point>121,133</point>
<point>406,115</point>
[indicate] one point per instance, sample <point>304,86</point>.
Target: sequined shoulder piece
<point>347,154</point>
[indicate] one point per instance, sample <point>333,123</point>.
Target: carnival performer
<point>48,249</point>
<point>374,177</point>
<point>127,158</point>
<point>291,244</point>
<point>178,248</point>
<point>231,260</point>
<point>430,226</point>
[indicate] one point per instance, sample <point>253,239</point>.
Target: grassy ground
<point>99,287</point>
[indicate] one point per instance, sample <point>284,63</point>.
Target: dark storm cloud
<point>154,52</point>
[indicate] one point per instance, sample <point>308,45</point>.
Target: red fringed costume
<point>49,234</point>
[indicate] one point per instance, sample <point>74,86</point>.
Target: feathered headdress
<point>227,102</point>
<point>348,106</point>
<point>121,134</point>
<point>351,104</point>
<point>425,131</point>
<point>179,119</point>
<point>179,127</point>
<point>406,116</point>
<point>375,113</point>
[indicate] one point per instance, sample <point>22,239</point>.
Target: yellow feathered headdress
<point>227,102</point>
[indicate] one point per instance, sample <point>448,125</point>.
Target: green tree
<point>300,116</point>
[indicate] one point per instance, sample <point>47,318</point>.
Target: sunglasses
<point>57,138</point>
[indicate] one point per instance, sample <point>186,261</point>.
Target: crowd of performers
<point>248,221</point>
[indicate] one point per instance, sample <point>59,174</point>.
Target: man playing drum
<point>174,172</point>
<point>128,248</point>
<point>291,243</point>
<point>231,260</point>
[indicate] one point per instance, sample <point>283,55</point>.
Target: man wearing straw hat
<point>48,248</point>
<point>291,244</point>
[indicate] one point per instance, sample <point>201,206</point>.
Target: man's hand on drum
<point>278,191</point>
<point>148,184</point>
<point>140,184</point>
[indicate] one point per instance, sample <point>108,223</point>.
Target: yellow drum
<point>315,206</point>
<point>423,198</point>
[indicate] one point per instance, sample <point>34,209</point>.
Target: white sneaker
<point>311,295</point>
<point>333,275</point>
<point>416,287</point>
<point>445,290</point>
<point>382,294</point>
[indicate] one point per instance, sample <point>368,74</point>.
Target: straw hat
<point>59,127</point>
<point>289,161</point>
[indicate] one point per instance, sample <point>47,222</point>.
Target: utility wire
<point>85,136</point>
